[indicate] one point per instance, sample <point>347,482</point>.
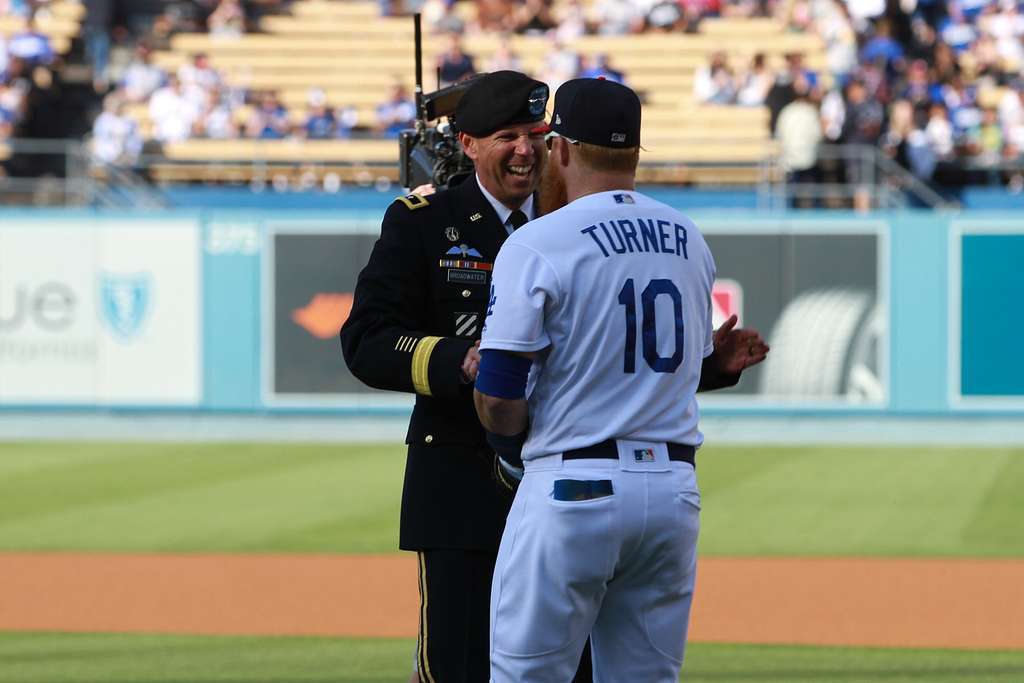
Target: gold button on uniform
<point>465,294</point>
<point>429,438</point>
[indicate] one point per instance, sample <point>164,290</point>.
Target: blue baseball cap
<point>598,112</point>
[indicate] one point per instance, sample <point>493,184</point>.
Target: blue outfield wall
<point>944,309</point>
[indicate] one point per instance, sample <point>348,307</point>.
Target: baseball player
<point>600,313</point>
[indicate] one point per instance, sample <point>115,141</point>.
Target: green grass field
<point>344,499</point>
<point>87,658</point>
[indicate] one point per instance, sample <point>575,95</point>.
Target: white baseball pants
<point>620,568</point>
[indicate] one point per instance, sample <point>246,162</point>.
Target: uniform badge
<point>406,344</point>
<point>475,217</point>
<point>467,277</point>
<point>466,324</point>
<point>538,100</point>
<point>414,201</point>
<point>464,250</point>
<point>452,233</point>
<point>467,265</point>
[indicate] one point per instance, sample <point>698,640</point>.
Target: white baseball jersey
<point>614,292</point>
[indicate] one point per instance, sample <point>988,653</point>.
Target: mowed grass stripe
<point>866,501</point>
<point>1000,517</point>
<point>119,658</point>
<point>212,497</point>
<point>335,498</point>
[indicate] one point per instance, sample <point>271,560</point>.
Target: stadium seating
<point>354,55</point>
<point>61,22</point>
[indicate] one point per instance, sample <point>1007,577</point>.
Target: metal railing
<point>66,173</point>
<point>848,176</point>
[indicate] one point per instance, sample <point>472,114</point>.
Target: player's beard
<point>551,195</point>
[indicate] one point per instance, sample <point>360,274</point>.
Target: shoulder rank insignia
<point>414,201</point>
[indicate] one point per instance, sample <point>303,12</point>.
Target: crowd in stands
<point>936,85</point>
<point>570,19</point>
<point>196,101</point>
<point>938,88</point>
<point>27,58</point>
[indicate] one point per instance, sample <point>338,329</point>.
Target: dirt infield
<point>872,602</point>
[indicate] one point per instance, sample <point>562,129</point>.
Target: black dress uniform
<point>419,306</point>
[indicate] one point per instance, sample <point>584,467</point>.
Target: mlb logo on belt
<point>643,455</point>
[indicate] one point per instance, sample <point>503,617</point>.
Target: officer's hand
<point>471,363</point>
<point>738,349</point>
<point>425,190</point>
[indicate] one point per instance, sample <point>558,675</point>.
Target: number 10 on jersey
<point>648,298</point>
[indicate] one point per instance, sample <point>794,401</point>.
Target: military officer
<point>415,324</point>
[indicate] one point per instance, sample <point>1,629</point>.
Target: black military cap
<point>498,99</point>
<point>598,112</point>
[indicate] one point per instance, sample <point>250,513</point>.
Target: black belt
<point>678,452</point>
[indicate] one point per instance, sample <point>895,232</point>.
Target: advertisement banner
<point>312,280</point>
<point>819,300</point>
<point>819,297</point>
<point>985,291</point>
<point>100,313</point>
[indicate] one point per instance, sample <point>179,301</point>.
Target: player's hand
<point>738,349</point>
<point>425,190</point>
<point>471,363</point>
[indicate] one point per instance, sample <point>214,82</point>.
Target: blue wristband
<point>502,374</point>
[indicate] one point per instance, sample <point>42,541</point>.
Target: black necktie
<point>516,219</point>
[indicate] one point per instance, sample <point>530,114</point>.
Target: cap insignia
<point>538,99</point>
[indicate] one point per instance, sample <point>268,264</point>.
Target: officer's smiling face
<point>509,161</point>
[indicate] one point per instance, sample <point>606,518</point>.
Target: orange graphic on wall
<point>325,313</point>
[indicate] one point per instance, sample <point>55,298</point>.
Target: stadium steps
<point>377,47</point>
<point>377,151</point>
<point>680,123</point>
<point>316,175</point>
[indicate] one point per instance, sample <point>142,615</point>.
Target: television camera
<point>432,153</point>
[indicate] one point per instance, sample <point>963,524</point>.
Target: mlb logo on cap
<point>643,455</point>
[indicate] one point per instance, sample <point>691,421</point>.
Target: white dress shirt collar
<point>503,211</point>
